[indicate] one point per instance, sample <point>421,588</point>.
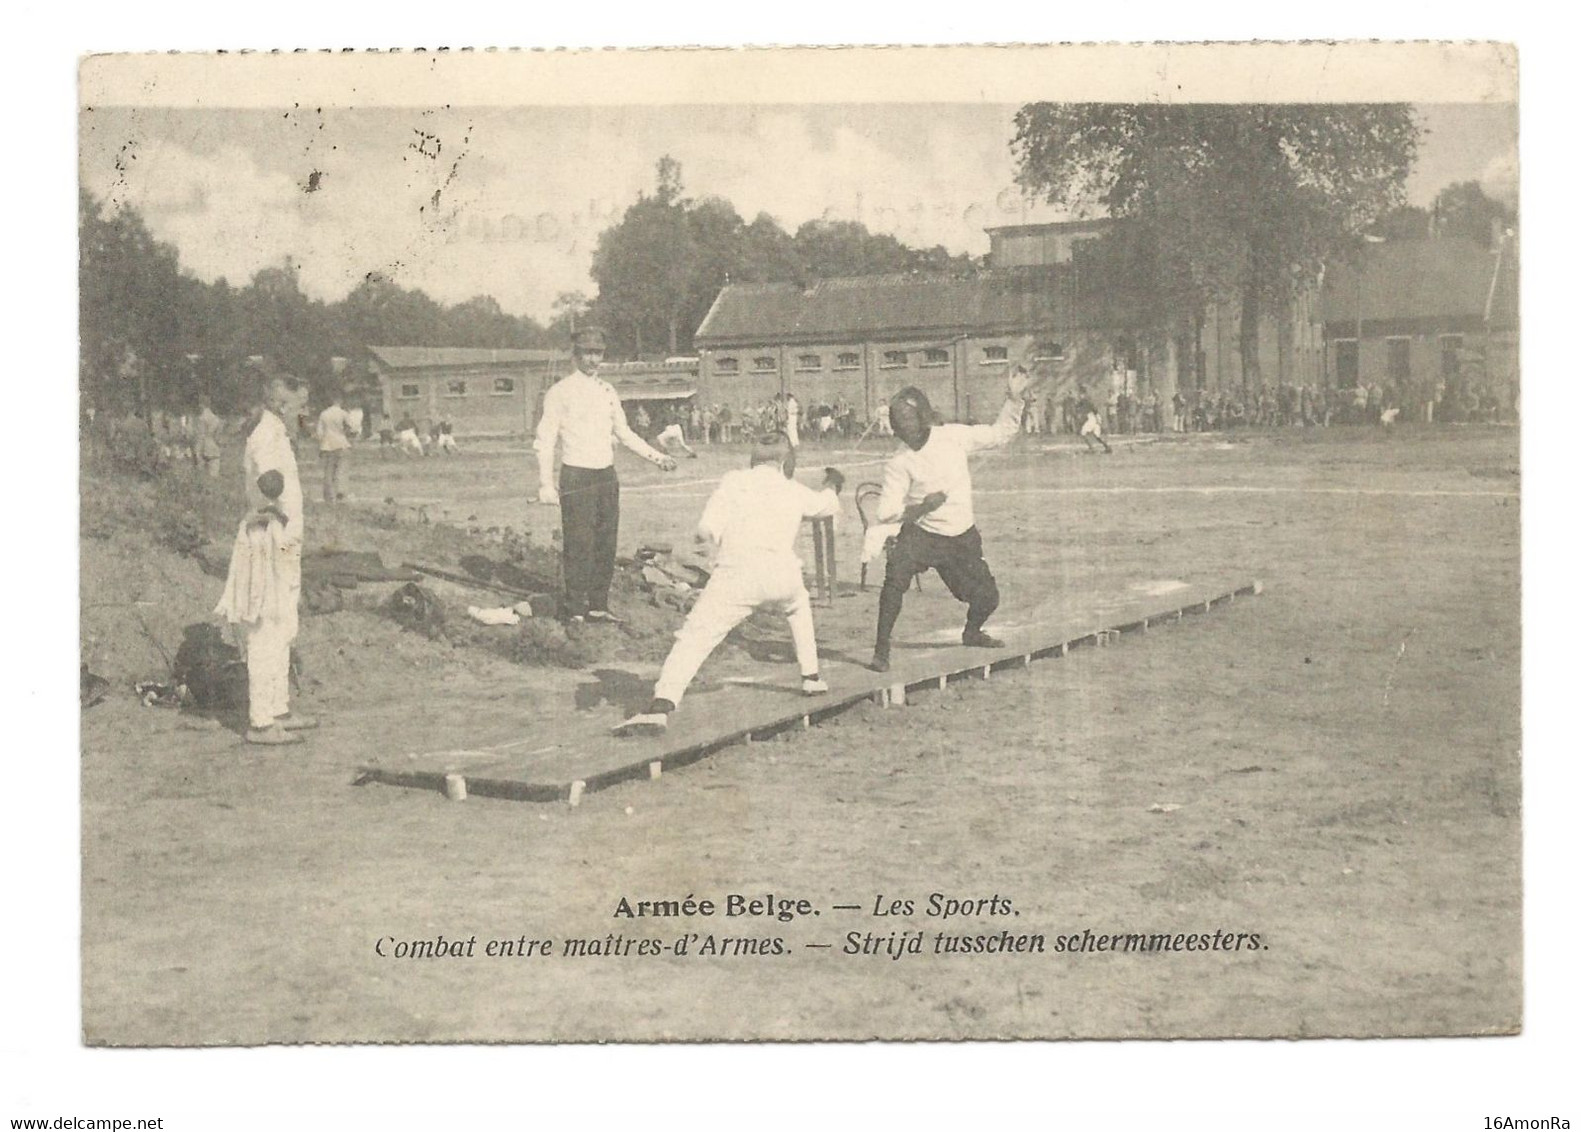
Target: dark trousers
<point>959,562</point>
<point>589,524</point>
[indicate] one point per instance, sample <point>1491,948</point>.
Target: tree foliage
<point>155,337</point>
<point>1237,201</point>
<point>661,266</point>
<point>1465,210</point>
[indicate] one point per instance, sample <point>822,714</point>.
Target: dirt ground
<point>1332,767</point>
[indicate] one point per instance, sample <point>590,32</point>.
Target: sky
<point>509,202</point>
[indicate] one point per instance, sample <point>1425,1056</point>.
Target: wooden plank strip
<point>640,763</point>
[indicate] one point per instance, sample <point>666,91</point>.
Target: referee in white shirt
<point>928,489</point>
<point>582,415</point>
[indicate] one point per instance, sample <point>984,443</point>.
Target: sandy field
<point>1331,769</point>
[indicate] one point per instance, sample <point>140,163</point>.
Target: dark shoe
<point>271,736</point>
<point>643,723</point>
<point>978,639</point>
<point>294,722</point>
<point>880,662</point>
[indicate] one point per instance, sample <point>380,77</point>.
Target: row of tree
<point>154,336</point>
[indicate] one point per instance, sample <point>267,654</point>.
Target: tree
<point>570,307</point>
<point>129,344</point>
<point>1464,210</point>
<point>643,267</point>
<point>1408,222</point>
<point>661,266</point>
<point>1237,201</point>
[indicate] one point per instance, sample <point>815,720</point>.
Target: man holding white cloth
<point>264,585</point>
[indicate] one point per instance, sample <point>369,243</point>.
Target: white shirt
<point>334,429</point>
<point>755,514</point>
<point>583,414</point>
<point>269,449</point>
<point>940,465</point>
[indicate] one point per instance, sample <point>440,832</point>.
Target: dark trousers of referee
<point>589,525</point>
<point>959,562</point>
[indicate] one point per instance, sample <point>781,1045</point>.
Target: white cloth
<point>410,441</point>
<point>260,607</point>
<point>500,616</point>
<point>582,416</point>
<point>874,538</point>
<point>940,465</point>
<point>1092,426</point>
<point>792,421</point>
<point>354,423</point>
<point>264,579</point>
<point>334,429</point>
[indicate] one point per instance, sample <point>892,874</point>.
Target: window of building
<point>1449,350</point>
<point>1399,359</point>
<point>411,389</point>
<point>808,363</point>
<point>893,359</point>
<point>1346,362</point>
<point>1048,352</point>
<point>727,365</point>
<point>936,357</point>
<point>995,355</point>
<point>504,385</point>
<point>848,360</point>
<point>765,364</point>
<point>456,388</point>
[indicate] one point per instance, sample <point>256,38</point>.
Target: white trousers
<point>731,596</point>
<point>267,646</point>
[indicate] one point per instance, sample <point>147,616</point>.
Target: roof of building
<point>433,357</point>
<point>1098,224</point>
<point>1043,300</point>
<point>1434,279</point>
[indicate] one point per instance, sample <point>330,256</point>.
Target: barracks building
<point>1057,295</point>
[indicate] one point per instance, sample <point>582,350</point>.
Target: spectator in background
<point>334,442</point>
<point>206,431</point>
<point>406,434</point>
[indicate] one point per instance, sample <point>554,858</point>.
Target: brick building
<point>482,392</point>
<point>1062,295</point>
<point>500,392</point>
<point>1426,316</point>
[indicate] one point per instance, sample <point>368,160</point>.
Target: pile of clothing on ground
<point>669,576</point>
